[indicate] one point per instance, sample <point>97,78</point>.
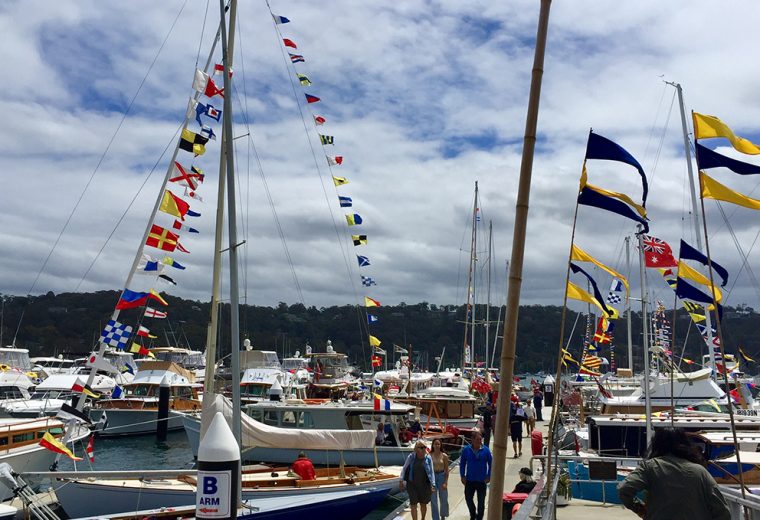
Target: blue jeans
<point>442,495</point>
<point>470,488</point>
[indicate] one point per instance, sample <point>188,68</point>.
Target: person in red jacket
<point>304,468</point>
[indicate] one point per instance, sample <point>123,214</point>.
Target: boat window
<point>254,390</point>
<point>307,421</point>
<point>289,419</point>
<point>21,437</point>
<point>58,430</point>
<point>139,390</point>
<point>10,392</point>
<point>270,417</point>
<point>3,441</point>
<point>182,392</point>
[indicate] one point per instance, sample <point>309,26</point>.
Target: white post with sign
<point>218,472</point>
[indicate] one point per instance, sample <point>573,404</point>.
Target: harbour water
<point>144,452</point>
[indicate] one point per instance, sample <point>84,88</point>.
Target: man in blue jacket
<point>475,470</point>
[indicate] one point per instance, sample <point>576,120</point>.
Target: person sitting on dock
<point>676,482</point>
<point>304,468</point>
<point>526,483</point>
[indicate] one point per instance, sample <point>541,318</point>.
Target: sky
<point>423,99</point>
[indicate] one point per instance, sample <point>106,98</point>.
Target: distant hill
<point>71,323</point>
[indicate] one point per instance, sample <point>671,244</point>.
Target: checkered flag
<point>367,281</point>
<point>613,299</point>
<point>115,334</point>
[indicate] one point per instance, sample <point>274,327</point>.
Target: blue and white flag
<point>149,265</point>
<point>363,260</point>
<point>377,383</point>
<point>115,334</point>
<point>280,19</point>
<point>368,281</point>
<point>205,110</point>
<point>371,318</point>
<point>345,202</point>
<point>207,131</point>
<point>116,392</point>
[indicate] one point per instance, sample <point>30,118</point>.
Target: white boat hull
<point>98,498</point>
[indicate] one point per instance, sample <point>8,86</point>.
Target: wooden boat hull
<point>88,497</point>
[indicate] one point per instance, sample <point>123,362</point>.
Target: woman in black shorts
<point>418,479</point>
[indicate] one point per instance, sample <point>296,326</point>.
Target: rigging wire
<point>94,172</point>
<point>363,325</point>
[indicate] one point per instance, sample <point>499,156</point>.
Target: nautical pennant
<point>369,302</point>
<point>205,85</point>
<point>193,195</point>
<point>334,160</point>
<point>161,238</point>
<point>115,334</point>
<point>363,261</point>
<point>611,312</point>
<point>367,281</point>
<point>712,189</point>
<point>219,70</point>
<point>706,127</point>
<point>192,142</point>
<point>172,262</point>
<point>326,139</point>
<point>579,255</point>
<point>354,220</point>
<point>150,312</point>
<point>303,79</point>
<point>599,147</point>
<point>296,58</point>
<point>312,99</point>
<point>181,177</point>
<point>180,226</point>
<point>345,202</point>
<point>688,252</point>
<point>339,181</point>
<point>359,240</point>
<point>707,158</point>
<point>373,341</point>
<point>148,265</point>
<point>145,332</point>
<point>371,318</point>
<point>175,206</point>
<point>611,201</point>
<point>51,443</point>
<point>319,120</point>
<point>289,43</point>
<point>280,19</point>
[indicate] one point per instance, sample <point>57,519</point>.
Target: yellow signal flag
<point>369,302</point>
<point>689,273</point>
<point>373,341</point>
<point>576,293</point>
<point>707,127</point>
<point>51,443</point>
<point>579,255</point>
<point>339,181</point>
<point>712,189</point>
<point>614,194</point>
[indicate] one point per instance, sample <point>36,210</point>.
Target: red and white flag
<point>334,160</point>
<point>319,120</point>
<point>193,195</point>
<point>657,252</point>
<point>145,332</point>
<point>205,85</point>
<point>219,69</point>
<point>91,448</point>
<point>150,312</point>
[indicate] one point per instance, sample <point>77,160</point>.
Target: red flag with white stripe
<point>91,448</point>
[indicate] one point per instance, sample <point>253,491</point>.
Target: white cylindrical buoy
<point>218,472</point>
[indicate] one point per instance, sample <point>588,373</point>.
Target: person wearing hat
<point>526,483</point>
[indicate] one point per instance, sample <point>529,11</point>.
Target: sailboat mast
<point>696,211</point>
<point>216,282</point>
<point>231,218</point>
<point>469,319</point>
<point>628,304</point>
<point>488,299</point>
<point>645,341</point>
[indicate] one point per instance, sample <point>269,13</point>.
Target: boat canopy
<point>256,434</point>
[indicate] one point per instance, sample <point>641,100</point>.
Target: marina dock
<point>576,510</point>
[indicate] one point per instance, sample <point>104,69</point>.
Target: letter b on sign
<point>209,486</point>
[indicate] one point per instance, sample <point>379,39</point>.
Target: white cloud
<point>423,98</point>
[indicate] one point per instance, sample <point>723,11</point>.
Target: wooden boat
<point>93,496</point>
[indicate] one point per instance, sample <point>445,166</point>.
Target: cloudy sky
<point>423,100</point>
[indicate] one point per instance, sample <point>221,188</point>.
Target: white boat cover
<point>256,434</point>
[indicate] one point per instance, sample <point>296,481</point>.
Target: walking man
<point>538,402</point>
<point>475,470</point>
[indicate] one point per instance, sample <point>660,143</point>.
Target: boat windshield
<point>138,390</point>
<point>15,358</point>
<point>294,364</point>
<point>11,392</point>
<point>254,390</point>
<point>184,359</point>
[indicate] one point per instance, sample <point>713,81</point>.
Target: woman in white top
<point>530,415</point>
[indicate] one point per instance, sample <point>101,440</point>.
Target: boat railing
<point>742,508</point>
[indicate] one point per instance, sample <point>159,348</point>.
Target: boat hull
<point>133,422</point>
<point>80,498</point>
